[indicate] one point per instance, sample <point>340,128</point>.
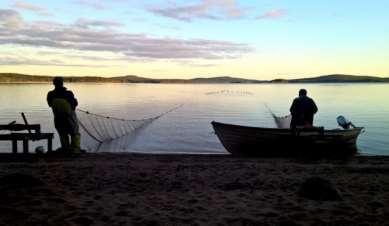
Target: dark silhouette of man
<point>63,104</point>
<point>303,109</point>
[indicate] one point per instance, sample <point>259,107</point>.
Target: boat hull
<point>255,141</point>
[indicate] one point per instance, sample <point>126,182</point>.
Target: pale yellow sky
<point>253,66</point>
<point>173,39</point>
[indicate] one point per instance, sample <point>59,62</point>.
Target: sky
<point>255,39</point>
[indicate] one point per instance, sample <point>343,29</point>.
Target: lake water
<point>188,129</point>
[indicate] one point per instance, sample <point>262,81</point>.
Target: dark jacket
<point>302,110</point>
<point>62,93</point>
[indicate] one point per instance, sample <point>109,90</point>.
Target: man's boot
<point>64,139</point>
<point>75,145</point>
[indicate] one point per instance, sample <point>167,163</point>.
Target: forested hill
<point>336,78</point>
<point>339,78</point>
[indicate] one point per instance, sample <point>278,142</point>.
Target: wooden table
<point>25,137</point>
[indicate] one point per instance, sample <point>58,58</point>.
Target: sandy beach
<point>137,189</point>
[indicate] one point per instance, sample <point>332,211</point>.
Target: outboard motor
<point>344,123</point>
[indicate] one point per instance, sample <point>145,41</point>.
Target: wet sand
<point>135,189</point>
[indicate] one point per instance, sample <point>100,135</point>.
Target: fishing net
<point>281,122</point>
<point>227,92</point>
<point>97,129</point>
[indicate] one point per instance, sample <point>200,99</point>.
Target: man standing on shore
<point>303,109</point>
<point>64,104</point>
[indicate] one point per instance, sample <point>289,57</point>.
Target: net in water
<point>97,129</point>
<point>281,122</point>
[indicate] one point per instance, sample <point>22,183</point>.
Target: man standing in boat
<point>303,109</point>
<point>64,104</point>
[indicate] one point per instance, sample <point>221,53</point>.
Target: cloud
<point>94,4</point>
<point>85,23</point>
<point>80,55</point>
<point>131,46</point>
<point>30,7</point>
<point>195,64</point>
<point>205,9</point>
<point>273,14</point>
<point>10,60</point>
<point>10,19</point>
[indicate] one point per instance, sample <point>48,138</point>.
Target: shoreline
<point>204,83</point>
<point>171,189</point>
<point>330,78</point>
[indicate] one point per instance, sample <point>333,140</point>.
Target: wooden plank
<point>22,136</point>
<point>20,127</point>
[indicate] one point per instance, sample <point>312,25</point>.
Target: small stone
<point>319,189</point>
<point>84,221</point>
<point>19,180</point>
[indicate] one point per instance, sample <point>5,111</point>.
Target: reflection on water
<point>188,129</point>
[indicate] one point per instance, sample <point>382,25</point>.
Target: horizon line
<point>198,77</point>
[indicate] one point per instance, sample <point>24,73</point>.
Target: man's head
<point>302,92</point>
<point>58,82</point>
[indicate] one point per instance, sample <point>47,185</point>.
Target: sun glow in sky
<point>258,39</point>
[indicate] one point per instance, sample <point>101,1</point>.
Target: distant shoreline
<point>11,78</point>
<point>185,83</point>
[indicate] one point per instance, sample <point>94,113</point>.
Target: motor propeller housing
<point>344,123</point>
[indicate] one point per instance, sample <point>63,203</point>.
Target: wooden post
<point>49,144</point>
<point>25,146</point>
<point>25,122</point>
<point>14,146</point>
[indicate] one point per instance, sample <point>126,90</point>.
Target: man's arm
<point>49,98</point>
<point>72,100</point>
<point>314,107</point>
<point>293,107</point>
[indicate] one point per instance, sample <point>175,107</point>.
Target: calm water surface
<point>188,129</point>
